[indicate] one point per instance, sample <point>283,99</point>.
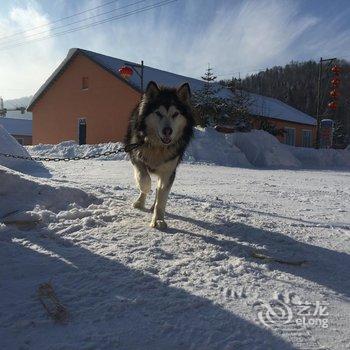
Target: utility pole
<point>318,101</point>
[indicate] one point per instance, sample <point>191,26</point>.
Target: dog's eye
<point>175,114</point>
<point>160,115</point>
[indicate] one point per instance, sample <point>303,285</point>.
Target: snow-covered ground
<point>252,259</point>
<point>197,285</point>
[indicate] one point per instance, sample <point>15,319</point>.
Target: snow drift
<point>254,149</point>
<point>40,199</point>
<point>9,145</point>
<point>209,146</point>
<point>263,150</point>
<point>321,158</point>
<point>69,149</point>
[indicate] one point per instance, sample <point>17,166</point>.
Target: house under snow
<point>20,129</point>
<point>86,99</point>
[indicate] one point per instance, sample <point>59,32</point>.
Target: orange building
<point>86,100</point>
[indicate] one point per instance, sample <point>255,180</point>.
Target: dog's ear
<point>184,92</point>
<point>152,90</point>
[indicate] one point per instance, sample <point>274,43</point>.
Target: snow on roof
<point>16,126</point>
<point>274,108</point>
<point>261,105</point>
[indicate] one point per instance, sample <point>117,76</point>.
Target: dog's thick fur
<point>162,124</point>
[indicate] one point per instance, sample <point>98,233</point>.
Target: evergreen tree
<point>238,108</point>
<point>209,78</point>
<point>206,102</point>
<point>213,109</point>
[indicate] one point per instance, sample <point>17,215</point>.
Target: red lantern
<point>332,105</point>
<point>334,94</point>
<point>336,70</point>
<point>125,72</point>
<point>335,82</point>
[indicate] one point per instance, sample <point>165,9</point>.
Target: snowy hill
<point>18,102</point>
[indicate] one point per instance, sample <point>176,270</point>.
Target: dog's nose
<point>167,131</point>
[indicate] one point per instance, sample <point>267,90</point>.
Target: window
<point>290,136</point>
<point>306,138</point>
<point>85,83</point>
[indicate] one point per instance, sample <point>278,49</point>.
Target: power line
<point>58,20</point>
<point>79,21</point>
<point>127,14</point>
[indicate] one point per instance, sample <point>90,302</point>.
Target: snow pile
<point>253,149</point>
<point>69,149</point>
<point>211,147</point>
<point>9,145</point>
<point>260,149</point>
<point>263,150</point>
<point>26,200</point>
<point>321,158</point>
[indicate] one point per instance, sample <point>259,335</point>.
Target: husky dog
<point>162,125</point>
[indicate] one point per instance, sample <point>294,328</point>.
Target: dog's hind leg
<point>164,185</point>
<point>143,181</point>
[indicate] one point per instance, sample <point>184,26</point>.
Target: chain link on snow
<point>67,159</point>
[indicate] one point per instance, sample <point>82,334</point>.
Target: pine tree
<point>206,101</point>
<point>213,109</point>
<point>209,78</point>
<point>238,107</point>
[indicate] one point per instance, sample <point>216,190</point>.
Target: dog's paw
<point>159,224</point>
<point>139,205</point>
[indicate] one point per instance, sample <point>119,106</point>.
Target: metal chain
<point>127,148</point>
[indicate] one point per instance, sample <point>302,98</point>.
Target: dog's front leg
<point>164,185</point>
<point>143,181</point>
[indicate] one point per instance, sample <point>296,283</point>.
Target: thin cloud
<point>24,68</point>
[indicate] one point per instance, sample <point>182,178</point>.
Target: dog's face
<point>165,113</point>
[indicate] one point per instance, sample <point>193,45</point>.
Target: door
<point>82,131</point>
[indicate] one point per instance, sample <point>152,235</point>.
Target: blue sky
<point>234,36</point>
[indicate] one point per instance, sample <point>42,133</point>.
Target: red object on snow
<point>332,105</point>
<point>336,70</point>
<point>125,72</point>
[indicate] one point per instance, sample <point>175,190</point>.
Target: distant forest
<point>296,85</point>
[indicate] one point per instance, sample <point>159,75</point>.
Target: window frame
<point>85,83</point>
<point>302,138</point>
<point>286,128</point>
